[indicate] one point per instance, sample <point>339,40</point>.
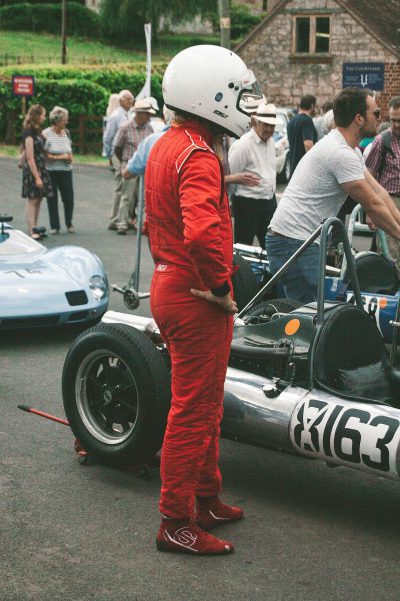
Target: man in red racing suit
<point>189,227</point>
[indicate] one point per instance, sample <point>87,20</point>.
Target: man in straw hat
<point>254,203</point>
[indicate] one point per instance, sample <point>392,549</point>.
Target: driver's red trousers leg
<point>198,335</point>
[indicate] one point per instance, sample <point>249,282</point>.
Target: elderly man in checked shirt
<point>125,144</point>
<point>384,164</point>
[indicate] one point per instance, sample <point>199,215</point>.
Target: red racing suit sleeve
<point>206,218</point>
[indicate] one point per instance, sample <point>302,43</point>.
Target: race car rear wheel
<point>116,393</point>
<point>265,311</point>
<point>244,282</point>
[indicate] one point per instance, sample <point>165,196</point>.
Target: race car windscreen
<point>18,243</point>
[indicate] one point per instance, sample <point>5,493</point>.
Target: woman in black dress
<point>35,178</point>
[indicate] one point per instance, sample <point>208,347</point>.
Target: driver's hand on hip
<point>225,302</point>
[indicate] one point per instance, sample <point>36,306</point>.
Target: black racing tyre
<point>244,282</point>
<point>116,393</point>
<point>265,310</point>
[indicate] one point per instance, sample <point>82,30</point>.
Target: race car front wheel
<point>116,393</point>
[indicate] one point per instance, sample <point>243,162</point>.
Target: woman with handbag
<point>35,178</point>
<point>59,164</point>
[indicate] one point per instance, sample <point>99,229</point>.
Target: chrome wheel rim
<point>107,397</point>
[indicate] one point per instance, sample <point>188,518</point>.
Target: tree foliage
<point>123,20</point>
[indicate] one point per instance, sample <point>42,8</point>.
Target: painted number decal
<point>20,273</point>
<point>371,305</point>
<point>348,434</point>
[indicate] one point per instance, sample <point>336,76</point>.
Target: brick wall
<point>392,87</point>
<point>285,78</point>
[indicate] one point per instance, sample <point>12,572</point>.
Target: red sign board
<point>23,85</point>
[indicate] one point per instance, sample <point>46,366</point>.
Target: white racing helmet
<point>213,83</point>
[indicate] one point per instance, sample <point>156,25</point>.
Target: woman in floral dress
<point>36,182</point>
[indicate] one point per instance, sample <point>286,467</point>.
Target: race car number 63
<point>347,434</point>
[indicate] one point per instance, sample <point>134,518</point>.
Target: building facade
<point>301,46</point>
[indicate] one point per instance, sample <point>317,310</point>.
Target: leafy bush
<point>81,21</point>
<point>13,2</point>
<point>81,91</point>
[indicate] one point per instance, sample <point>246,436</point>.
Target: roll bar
<point>323,231</point>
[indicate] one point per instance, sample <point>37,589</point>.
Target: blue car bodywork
<point>42,287</point>
<point>380,297</point>
<point>383,307</point>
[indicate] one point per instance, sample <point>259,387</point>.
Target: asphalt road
<point>86,533</point>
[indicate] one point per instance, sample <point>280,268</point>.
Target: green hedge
<point>13,2</point>
<point>81,91</point>
<point>81,21</point>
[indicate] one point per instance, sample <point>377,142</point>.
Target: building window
<point>312,35</point>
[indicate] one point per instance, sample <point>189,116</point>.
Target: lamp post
<point>64,32</point>
<point>225,23</point>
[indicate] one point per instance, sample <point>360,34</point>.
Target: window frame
<point>313,34</point>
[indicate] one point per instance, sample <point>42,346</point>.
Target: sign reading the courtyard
<point>364,75</point>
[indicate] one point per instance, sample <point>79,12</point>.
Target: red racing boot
<point>184,536</point>
<point>212,512</point>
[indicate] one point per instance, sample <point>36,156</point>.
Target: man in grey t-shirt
<point>325,176</point>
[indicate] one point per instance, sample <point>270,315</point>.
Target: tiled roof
<point>380,17</point>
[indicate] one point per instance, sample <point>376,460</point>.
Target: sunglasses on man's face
<point>377,113</point>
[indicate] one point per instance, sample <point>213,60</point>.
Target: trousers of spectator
<point>116,163</point>
<point>61,181</point>
<point>300,281</point>
<point>252,217</point>
<point>198,335</point>
<point>126,200</point>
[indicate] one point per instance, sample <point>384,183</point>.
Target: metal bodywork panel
<point>312,423</point>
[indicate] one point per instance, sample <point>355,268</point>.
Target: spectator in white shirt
<point>254,205</point>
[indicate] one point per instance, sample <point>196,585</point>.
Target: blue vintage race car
<point>42,287</point>
<point>379,283</point>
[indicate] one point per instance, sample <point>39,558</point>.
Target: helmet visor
<point>250,96</point>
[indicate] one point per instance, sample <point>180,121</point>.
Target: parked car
<point>48,287</point>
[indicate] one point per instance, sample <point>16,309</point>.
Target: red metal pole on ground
<point>53,418</point>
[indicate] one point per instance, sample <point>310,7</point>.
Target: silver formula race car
<point>312,380</point>
<point>42,287</point>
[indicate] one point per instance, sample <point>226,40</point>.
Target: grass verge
<point>7,150</point>
<point>26,48</point>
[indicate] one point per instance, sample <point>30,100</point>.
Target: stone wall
<point>284,78</point>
